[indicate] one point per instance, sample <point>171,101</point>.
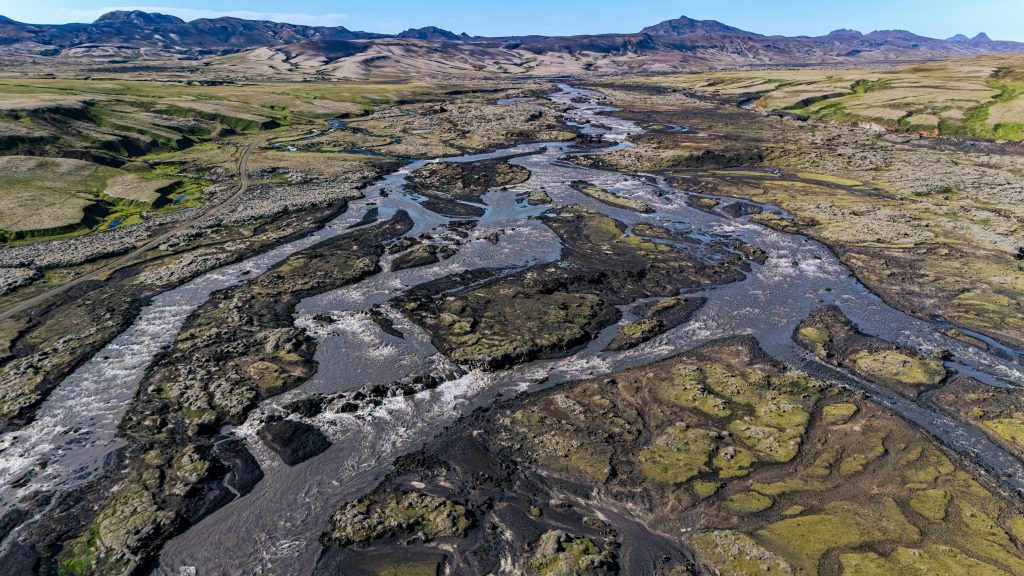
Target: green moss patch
<point>903,368</point>
<point>931,504</point>
<point>917,562</point>
<point>835,414</point>
<point>749,502</point>
<point>678,455</point>
<point>606,197</point>
<point>804,540</point>
<point>1008,429</point>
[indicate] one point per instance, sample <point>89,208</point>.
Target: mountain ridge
<point>683,26</point>
<point>430,33</point>
<point>137,17</point>
<point>673,43</point>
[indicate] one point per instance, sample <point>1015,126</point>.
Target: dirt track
<point>243,185</point>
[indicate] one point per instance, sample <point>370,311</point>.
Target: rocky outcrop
<point>830,335</point>
<point>412,516</point>
<point>294,441</point>
<point>657,318</point>
<point>559,553</point>
<point>467,181</point>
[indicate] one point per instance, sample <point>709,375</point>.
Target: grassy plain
<point>977,97</point>
<point>116,147</point>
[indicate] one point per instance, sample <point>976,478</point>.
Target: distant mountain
<point>684,26</point>
<point>679,44</point>
<point>143,29</point>
<point>137,18</point>
<point>429,33</point>
<point>844,33</point>
<point>897,36</point>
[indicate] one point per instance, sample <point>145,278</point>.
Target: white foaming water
<point>74,429</point>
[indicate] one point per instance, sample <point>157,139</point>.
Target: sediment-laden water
<point>274,529</point>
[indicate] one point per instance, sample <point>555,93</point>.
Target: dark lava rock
<point>402,244</point>
<point>590,141</point>
<point>386,324</point>
<point>295,442</point>
<point>19,559</point>
<point>243,470</point>
<point>448,207</point>
<point>461,228</point>
<point>11,520</point>
<point>369,217</point>
<point>751,252</point>
<point>713,159</point>
<point>418,256</point>
<point>738,209</point>
<point>702,203</point>
<point>308,407</point>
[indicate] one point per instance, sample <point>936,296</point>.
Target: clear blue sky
<point>1001,19</point>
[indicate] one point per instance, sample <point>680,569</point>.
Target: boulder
<point>294,441</point>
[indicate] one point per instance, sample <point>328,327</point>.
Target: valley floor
<point>511,328</point>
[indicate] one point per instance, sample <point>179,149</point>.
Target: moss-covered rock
<point>733,553</point>
<point>123,531</point>
<point>409,515</point>
<point>678,455</point>
<point>687,388</point>
<point>901,367</point>
<point>734,462</point>
<point>551,309</point>
<point>834,338</point>
<point>467,180</point>
<point>561,554</point>
<point>805,539</point>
